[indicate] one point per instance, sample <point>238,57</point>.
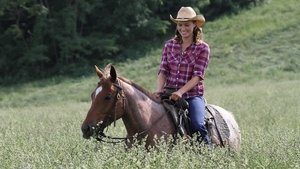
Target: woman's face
<point>186,29</point>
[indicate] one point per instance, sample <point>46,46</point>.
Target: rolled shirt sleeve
<point>163,68</point>
<point>201,61</point>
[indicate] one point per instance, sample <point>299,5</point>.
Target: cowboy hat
<point>188,14</point>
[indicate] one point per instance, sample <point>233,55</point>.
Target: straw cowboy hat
<point>188,14</point>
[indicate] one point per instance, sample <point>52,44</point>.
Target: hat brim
<point>199,19</point>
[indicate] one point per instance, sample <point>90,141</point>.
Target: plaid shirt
<point>180,67</point>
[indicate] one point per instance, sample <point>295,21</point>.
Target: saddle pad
<point>219,122</point>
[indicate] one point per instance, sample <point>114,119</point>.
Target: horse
<point>144,116</point>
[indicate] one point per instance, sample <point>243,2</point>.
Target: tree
<point>44,37</point>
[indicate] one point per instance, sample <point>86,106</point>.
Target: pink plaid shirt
<point>180,67</point>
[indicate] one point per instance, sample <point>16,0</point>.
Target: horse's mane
<point>140,88</point>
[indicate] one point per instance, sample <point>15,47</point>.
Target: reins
<point>100,137</point>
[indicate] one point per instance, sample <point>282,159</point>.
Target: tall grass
<point>48,135</point>
<point>254,72</point>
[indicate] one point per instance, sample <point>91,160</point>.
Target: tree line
<point>40,38</point>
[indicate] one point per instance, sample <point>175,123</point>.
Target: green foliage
<point>217,8</point>
<point>17,20</point>
<point>257,44</point>
<point>52,37</point>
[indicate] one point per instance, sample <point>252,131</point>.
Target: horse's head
<point>107,103</point>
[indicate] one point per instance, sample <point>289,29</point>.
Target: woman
<point>184,60</point>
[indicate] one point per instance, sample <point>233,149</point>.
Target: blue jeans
<point>196,114</point>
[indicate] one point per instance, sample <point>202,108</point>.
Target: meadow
<point>254,72</point>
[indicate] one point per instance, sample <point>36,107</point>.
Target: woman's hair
<point>197,35</point>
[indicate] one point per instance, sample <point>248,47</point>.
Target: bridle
<point>99,134</point>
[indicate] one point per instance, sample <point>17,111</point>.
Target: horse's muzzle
<point>87,131</point>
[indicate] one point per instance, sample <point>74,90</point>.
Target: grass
<point>48,135</point>
<point>254,73</point>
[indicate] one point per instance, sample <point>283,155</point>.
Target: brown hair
<point>197,35</point>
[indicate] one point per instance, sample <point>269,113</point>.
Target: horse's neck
<point>141,111</point>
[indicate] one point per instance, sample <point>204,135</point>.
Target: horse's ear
<point>113,74</point>
<point>98,71</point>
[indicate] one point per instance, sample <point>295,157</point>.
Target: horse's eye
<point>108,97</point>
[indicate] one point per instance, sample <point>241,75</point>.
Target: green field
<point>254,72</point>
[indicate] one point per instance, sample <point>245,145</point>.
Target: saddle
<point>215,124</point>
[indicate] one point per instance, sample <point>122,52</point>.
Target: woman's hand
<point>176,95</point>
<point>157,93</point>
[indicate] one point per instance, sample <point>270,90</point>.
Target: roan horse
<point>142,113</point>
